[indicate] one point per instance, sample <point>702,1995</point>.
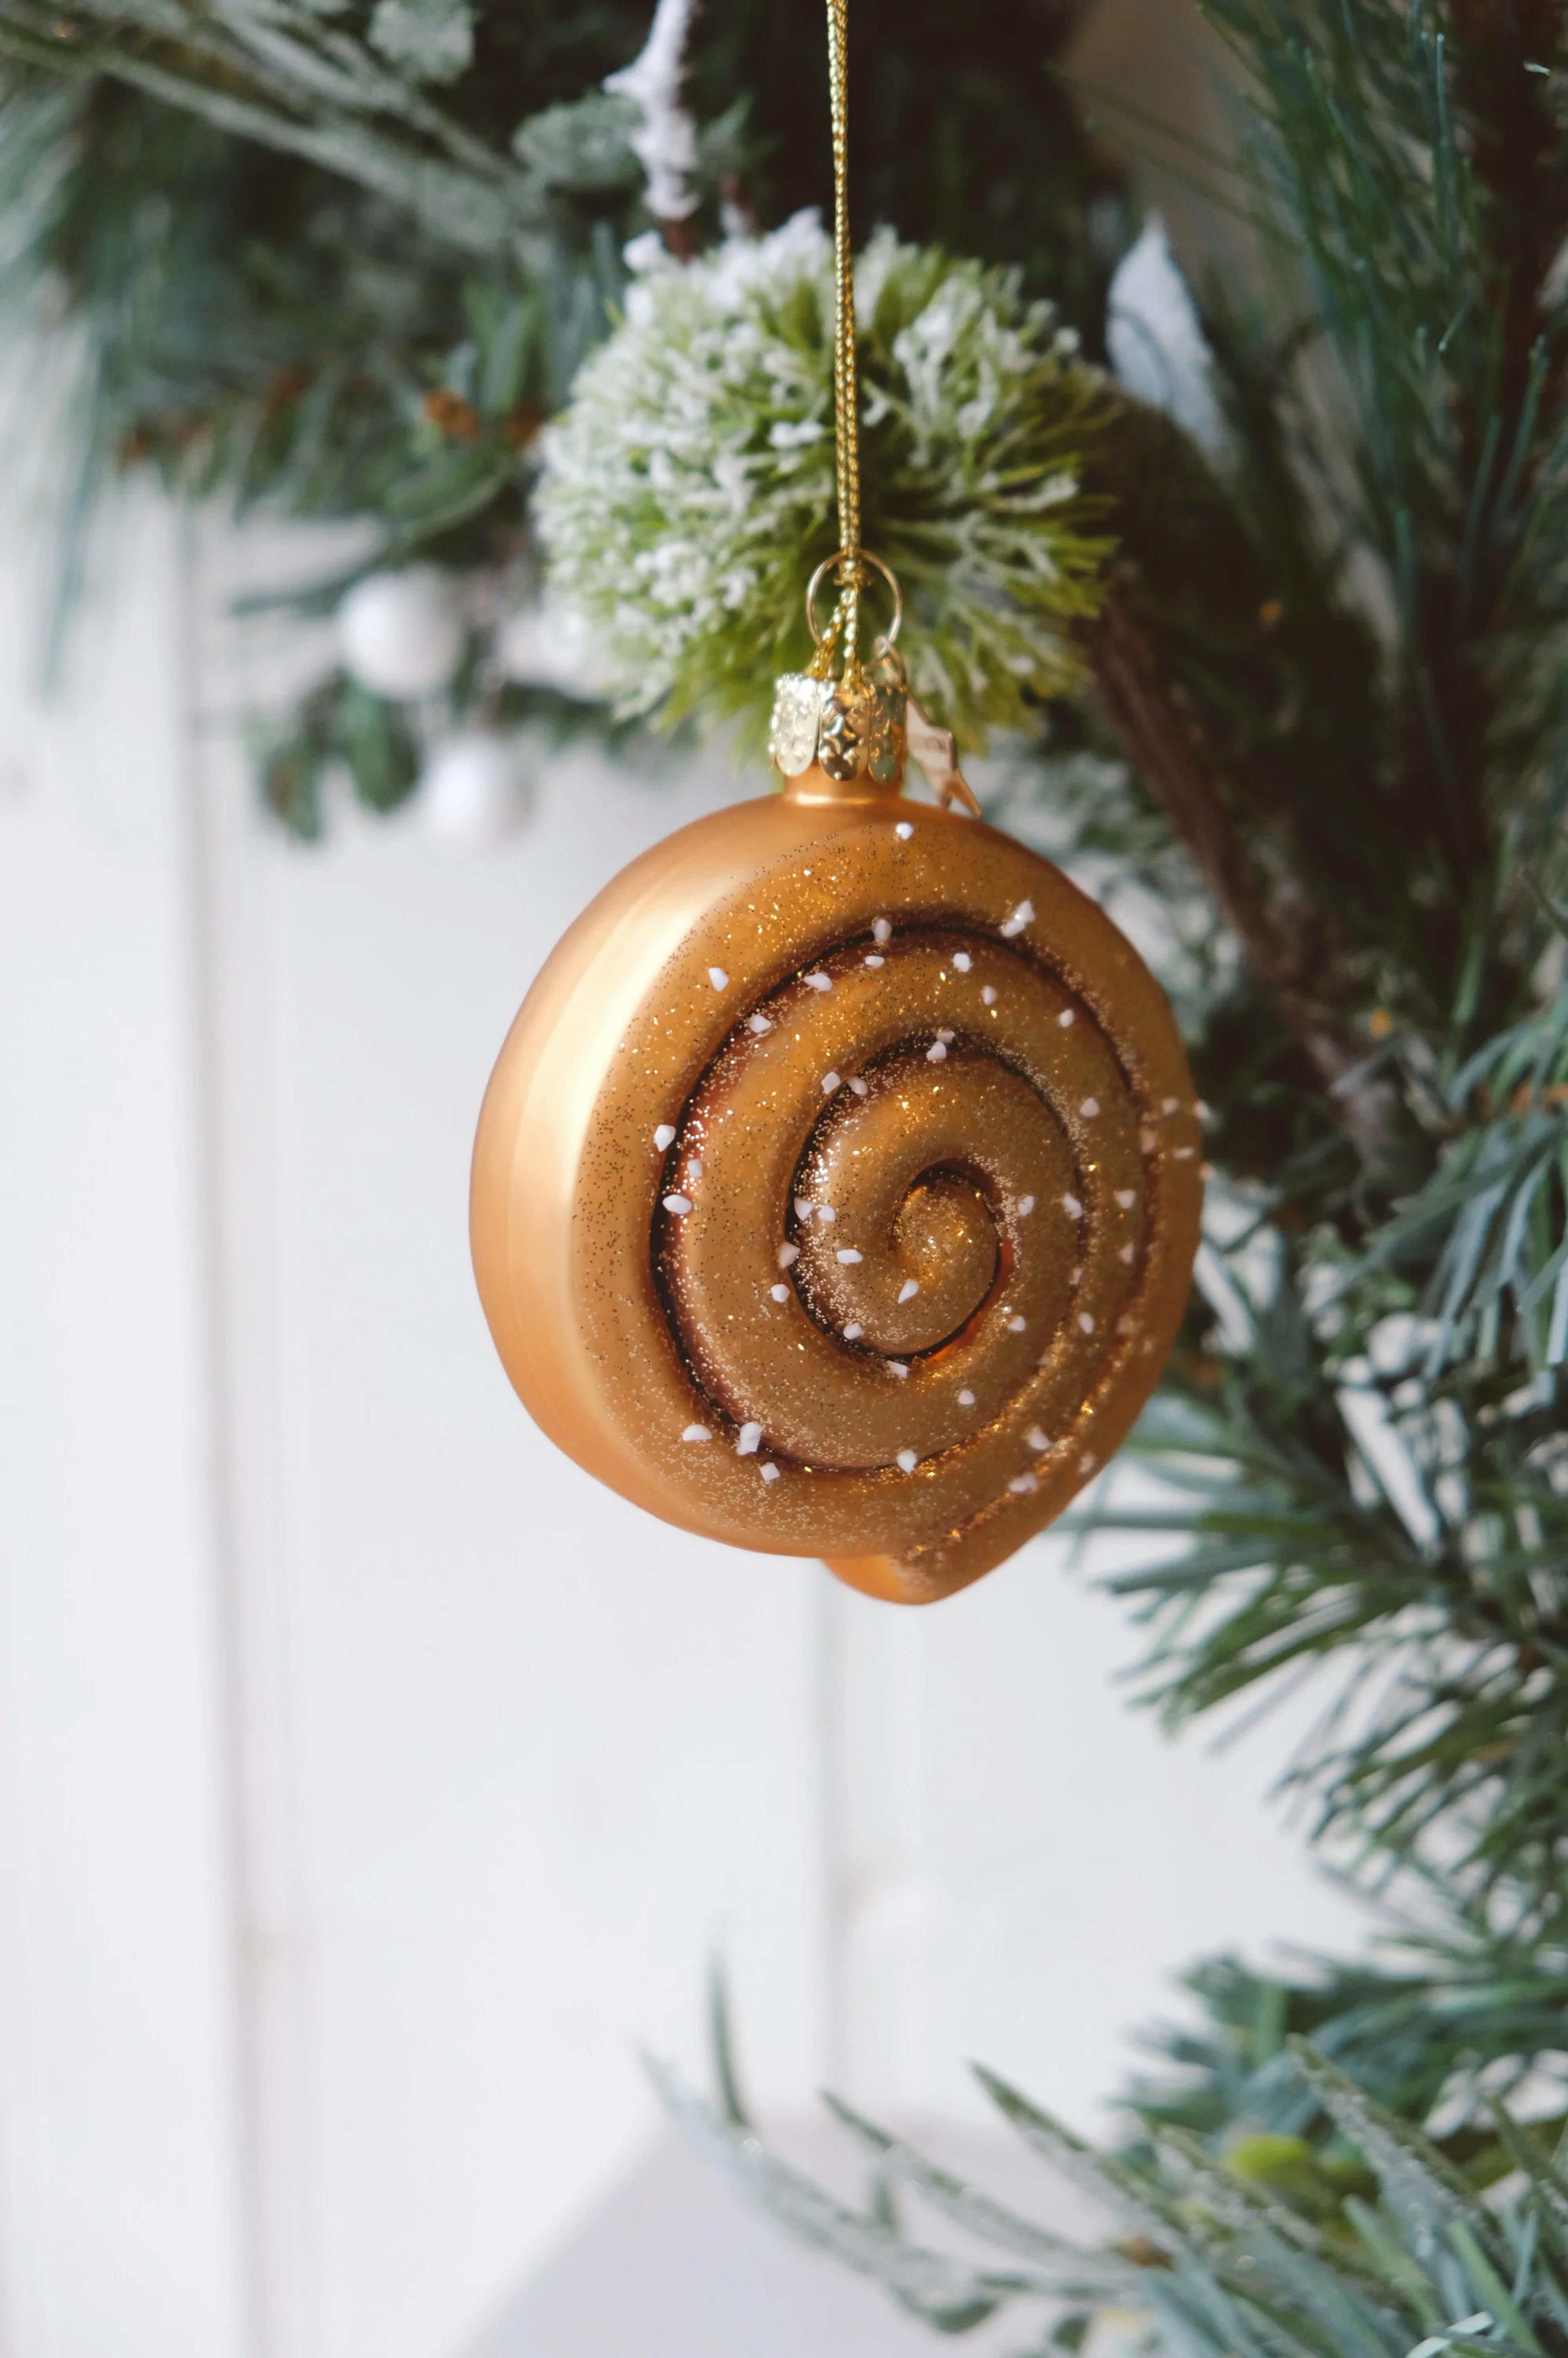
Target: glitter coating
<point>1050,1246</point>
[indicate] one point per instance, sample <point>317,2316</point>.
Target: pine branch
<point>203,77</point>
<point>1504,54</point>
<point>1437,2022</point>
<point>1409,1535</point>
<point>1395,2255</point>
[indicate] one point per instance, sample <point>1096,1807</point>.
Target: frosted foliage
<point>689,489</point>
<point>1156,342</point>
<point>432,39</point>
<point>1200,2259</point>
<point>665,144</point>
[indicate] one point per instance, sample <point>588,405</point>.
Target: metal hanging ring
<point>866,558</point>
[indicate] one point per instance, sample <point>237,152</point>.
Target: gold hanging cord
<point>846,384</point>
<point>862,723</point>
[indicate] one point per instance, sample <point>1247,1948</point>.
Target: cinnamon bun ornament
<point>837,1188</point>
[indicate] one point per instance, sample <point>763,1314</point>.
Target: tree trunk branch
<point>1166,750</point>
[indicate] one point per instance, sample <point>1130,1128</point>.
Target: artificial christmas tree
<point>350,264</point>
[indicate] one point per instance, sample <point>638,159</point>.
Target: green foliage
<point>1437,2029</point>
<point>1414,166</point>
<point>342,734</point>
<point>341,723</point>
<point>689,492</point>
<point>267,332</point>
<point>342,262</point>
<point>1335,1506</point>
<point>965,136</point>
<point>270,228</point>
<point>1496,1210</point>
<point>1275,2251</point>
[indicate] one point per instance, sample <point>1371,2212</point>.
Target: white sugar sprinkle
<point>769,1472</point>
<point>718,977</point>
<point>1016,1326</point>
<point>860,1088</point>
<point>962,960</point>
<point>788,1255</point>
<point>1073,1275</point>
<point>946,1038</point>
<point>1072,1208</point>
<point>897,1367</point>
<point>848,1255</point>
<point>853,1330</point>
<point>904,830</point>
<point>1169,1105</point>
<point>1067,1018</point>
<point>1148,1140</point>
<point>746,1440</point>
<point>758,1024</point>
<point>1129,1253</point>
<point>697,1432</point>
<point>966,1399</point>
<point>818,982</point>
<point>780,1292</point>
<point>909,1288</point>
<point>678,1203</point>
<point>1036,1439</point>
<point>880,930</point>
<point>936,1052</point>
<point>831,1081</point>
<point>1022,1484</point>
<point>1204,1113</point>
<point>664,1137</point>
<point>1023,915</point>
<point>871,959</point>
<point>1025,1206</point>
<point>988,996</point>
<point>1089,1108</point>
<point>825,1212</point>
<point>1184,1153</point>
<point>804,1208</point>
<point>693,1168</point>
<point>1086,1320</point>
<point>907,1461</point>
<point>1088,1462</point>
<point>1127,1197</point>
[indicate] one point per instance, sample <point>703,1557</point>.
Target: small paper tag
<point>938,756</point>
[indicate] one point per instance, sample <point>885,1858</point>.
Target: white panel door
<point>121,2202</point>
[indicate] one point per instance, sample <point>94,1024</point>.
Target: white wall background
<point>371,1783</point>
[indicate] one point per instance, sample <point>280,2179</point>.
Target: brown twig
<point>1167,752</point>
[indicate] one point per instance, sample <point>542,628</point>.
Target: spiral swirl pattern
<point>870,1192</point>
